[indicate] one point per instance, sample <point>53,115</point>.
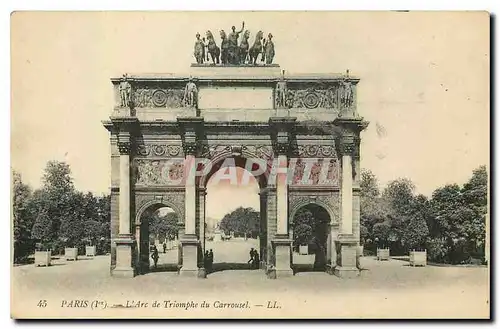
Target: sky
<point>424,85</point>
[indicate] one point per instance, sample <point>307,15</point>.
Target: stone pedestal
<point>124,262</point>
<point>71,253</point>
<point>347,264</point>
<point>418,258</point>
<point>282,250</point>
<point>90,251</point>
<point>189,255</point>
<point>42,258</point>
<point>383,254</point>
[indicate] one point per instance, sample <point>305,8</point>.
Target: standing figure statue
<point>281,93</point>
<point>125,90</point>
<point>190,94</point>
<point>256,49</point>
<point>268,54</point>
<point>224,48</point>
<point>346,95</point>
<point>233,44</point>
<point>199,50</point>
<point>212,48</point>
<point>243,51</point>
<point>205,52</point>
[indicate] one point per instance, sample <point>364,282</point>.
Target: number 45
<point>42,303</point>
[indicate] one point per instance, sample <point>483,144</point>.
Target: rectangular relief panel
<point>235,98</point>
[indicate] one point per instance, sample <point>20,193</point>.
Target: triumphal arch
<point>169,133</point>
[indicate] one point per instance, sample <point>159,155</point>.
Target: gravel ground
<point>389,289</point>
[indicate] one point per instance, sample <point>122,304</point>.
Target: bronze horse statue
<point>256,49</point>
<point>212,47</point>
<point>244,47</point>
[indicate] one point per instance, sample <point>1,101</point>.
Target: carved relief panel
<point>158,172</point>
<point>318,172</point>
<point>336,95</point>
<point>312,98</point>
<point>154,97</point>
<point>318,162</point>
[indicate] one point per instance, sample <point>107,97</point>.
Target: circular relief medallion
<point>311,150</point>
<point>174,150</point>
<point>311,100</point>
<point>159,149</point>
<point>159,98</point>
<point>326,150</point>
<point>143,150</point>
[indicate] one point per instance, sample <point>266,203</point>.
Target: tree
<point>381,232</point>
<point>444,201</point>
<point>303,227</point>
<point>458,217</point>
<point>72,229</point>
<point>415,231</point>
<point>475,191</point>
<point>374,209</point>
<point>475,194</point>
<point>241,220</point>
<point>399,194</point>
<point>369,184</point>
<point>53,204</point>
<point>165,226</point>
<point>22,218</point>
<point>43,229</point>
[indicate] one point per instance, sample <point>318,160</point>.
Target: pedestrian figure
<point>210,260</point>
<point>251,256</point>
<point>256,260</point>
<point>155,256</point>
<point>164,247</point>
<point>206,261</point>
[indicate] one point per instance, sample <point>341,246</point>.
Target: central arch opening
<point>235,225</point>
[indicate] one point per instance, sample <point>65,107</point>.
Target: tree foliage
<point>451,224</point>
<point>166,225</point>
<point>57,215</point>
<point>303,227</point>
<point>241,221</point>
<point>310,225</point>
<point>22,218</point>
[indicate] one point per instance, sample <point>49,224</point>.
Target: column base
<point>282,251</point>
<point>188,272</point>
<point>124,260</point>
<point>123,272</point>
<point>346,272</point>
<point>189,254</point>
<point>202,273</point>
<point>330,269</point>
<point>346,265</point>
<point>284,273</point>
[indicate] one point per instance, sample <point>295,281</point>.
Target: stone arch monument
<point>164,128</point>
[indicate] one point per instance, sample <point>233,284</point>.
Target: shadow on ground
<point>219,267</point>
<point>164,268</point>
<point>298,268</point>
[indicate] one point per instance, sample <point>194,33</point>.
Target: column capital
<point>191,128</point>
<point>347,145</point>
<point>190,148</point>
<point>282,131</point>
<point>124,144</point>
<point>350,129</point>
